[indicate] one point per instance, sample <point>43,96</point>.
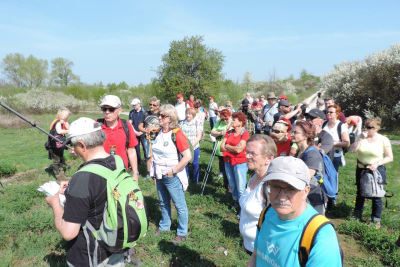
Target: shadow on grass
<point>152,209</point>
<point>57,258</point>
<point>341,211</point>
<point>180,255</point>
<point>231,228</point>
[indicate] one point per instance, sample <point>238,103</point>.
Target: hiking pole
<point>210,163</point>
<point>31,123</point>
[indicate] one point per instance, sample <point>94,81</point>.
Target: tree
<point>22,71</point>
<point>61,72</point>
<point>123,85</point>
<point>248,83</point>
<point>13,66</point>
<point>190,67</point>
<point>36,71</point>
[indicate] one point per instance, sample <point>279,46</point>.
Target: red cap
<point>283,97</point>
<point>286,122</point>
<point>210,98</point>
<point>179,96</point>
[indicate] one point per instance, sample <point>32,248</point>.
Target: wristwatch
<point>173,173</point>
<point>136,172</point>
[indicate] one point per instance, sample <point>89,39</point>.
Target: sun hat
<point>83,126</point>
<point>271,95</point>
<point>111,100</point>
<point>135,101</point>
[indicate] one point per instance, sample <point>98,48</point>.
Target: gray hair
<point>154,99</point>
<point>320,101</point>
<point>268,145</point>
<point>91,140</point>
<point>170,110</point>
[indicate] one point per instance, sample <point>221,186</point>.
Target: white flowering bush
<point>42,101</point>
<point>370,86</point>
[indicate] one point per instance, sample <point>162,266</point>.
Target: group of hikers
<point>292,153</point>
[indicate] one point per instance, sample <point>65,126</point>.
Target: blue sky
<point>114,41</point>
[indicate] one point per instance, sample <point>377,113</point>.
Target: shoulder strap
<point>324,124</point>
<point>103,171</point>
<point>126,130</point>
<point>339,130</point>
<point>262,217</point>
<point>308,150</point>
<point>308,236</point>
<point>241,133</point>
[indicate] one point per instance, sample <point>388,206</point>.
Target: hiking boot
<point>132,260</point>
<point>356,216</point>
<point>375,224</point>
<point>158,232</point>
<point>178,239</point>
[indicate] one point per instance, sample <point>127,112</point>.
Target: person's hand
<point>63,186</point>
<point>363,135</point>
<point>169,174</point>
<point>72,152</point>
<point>374,166</point>
<point>139,133</point>
<point>270,123</point>
<point>53,200</point>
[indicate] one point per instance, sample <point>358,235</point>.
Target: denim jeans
<point>167,189</point>
<point>213,121</point>
<point>237,176</point>
<point>337,162</point>
<point>195,165</point>
<point>377,203</point>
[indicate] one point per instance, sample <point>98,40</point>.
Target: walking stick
<point>31,123</point>
<point>210,163</point>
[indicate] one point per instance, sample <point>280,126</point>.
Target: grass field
<point>28,236</point>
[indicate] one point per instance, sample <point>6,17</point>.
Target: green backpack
<point>125,218</point>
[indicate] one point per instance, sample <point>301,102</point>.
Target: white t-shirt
<point>334,133</point>
<point>181,109</point>
<point>211,111</point>
<point>251,207</point>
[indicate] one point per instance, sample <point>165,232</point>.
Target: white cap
<point>83,126</point>
<point>135,101</point>
<point>111,100</point>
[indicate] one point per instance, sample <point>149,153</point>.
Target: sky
<point>115,41</point>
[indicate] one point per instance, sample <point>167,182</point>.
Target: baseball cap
<point>179,96</point>
<point>83,126</point>
<point>111,100</point>
<point>283,97</point>
<point>316,113</point>
<point>135,101</point>
<point>286,122</point>
<point>298,175</point>
<point>284,103</point>
<point>245,102</point>
<point>211,97</point>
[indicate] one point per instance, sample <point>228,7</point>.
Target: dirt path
<point>312,100</point>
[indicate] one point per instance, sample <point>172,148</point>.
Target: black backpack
<point>51,142</point>
<point>126,130</point>
<point>339,131</point>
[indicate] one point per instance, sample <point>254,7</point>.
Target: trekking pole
<point>31,123</point>
<point>210,163</point>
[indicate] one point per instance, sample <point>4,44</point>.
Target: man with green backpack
<point>104,213</point>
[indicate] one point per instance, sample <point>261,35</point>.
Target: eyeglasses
<point>251,154</point>
<point>330,112</point>
<point>276,131</point>
<point>297,132</point>
<point>109,109</point>
<point>288,191</point>
<point>369,127</point>
<point>153,105</point>
<point>163,116</point>
<point>225,119</point>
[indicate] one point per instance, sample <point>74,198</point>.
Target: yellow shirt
<point>369,153</point>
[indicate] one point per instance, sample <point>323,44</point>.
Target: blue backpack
<point>330,180</point>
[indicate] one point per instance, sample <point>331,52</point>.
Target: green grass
<point>28,236</point>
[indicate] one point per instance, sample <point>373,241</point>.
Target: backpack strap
<point>241,133</point>
<point>308,236</point>
<point>262,217</point>
<point>173,137</point>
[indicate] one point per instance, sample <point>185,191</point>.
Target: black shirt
<point>86,196</point>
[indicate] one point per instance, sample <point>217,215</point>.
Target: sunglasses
<point>369,127</point>
<point>297,132</point>
<point>109,109</point>
<point>225,119</point>
<point>330,112</point>
<point>153,105</point>
<point>276,131</point>
<point>163,116</point>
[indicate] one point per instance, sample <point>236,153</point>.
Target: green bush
<point>7,169</point>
